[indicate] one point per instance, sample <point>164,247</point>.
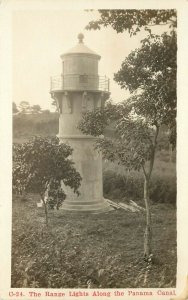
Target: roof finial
<point>80,37</point>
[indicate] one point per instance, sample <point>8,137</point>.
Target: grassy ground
<point>104,248</point>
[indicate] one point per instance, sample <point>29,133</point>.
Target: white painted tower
<point>78,89</point>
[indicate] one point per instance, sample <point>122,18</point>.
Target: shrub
<point>56,196</point>
<point>40,166</point>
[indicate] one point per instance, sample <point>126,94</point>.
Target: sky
<point>40,37</point>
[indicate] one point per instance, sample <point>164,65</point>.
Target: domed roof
<point>80,48</point>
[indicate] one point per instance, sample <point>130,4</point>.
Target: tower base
<point>101,206</point>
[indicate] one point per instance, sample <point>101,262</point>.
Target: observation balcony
<point>78,82</point>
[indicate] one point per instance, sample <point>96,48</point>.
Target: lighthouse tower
<point>77,90</point>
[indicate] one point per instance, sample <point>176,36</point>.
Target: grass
<point>104,248</point>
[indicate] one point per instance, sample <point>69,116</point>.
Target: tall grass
<point>120,184</point>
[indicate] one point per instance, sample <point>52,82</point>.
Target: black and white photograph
<point>96,158</point>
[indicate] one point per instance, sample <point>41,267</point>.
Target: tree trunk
<point>148,230</point>
<point>45,209</point>
<point>147,177</point>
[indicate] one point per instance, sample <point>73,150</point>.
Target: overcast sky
<point>40,37</point>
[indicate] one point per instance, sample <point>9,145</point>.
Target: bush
<point>163,189</point>
<point>119,187</point>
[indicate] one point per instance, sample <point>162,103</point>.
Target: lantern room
<point>80,70</point>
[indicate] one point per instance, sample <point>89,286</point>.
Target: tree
<point>36,108</point>
<point>40,165</point>
<point>14,108</point>
<point>150,75</point>
<point>46,111</point>
<point>133,20</point>
<point>24,106</point>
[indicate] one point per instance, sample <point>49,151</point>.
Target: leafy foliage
<point>133,20</point>
<point>132,142</point>
<point>94,128</point>
<point>36,108</point>
<point>40,165</point>
<point>149,72</point>
<point>24,107</point>
<point>150,75</point>
<point>56,195</point>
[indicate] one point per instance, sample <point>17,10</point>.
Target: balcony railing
<point>80,82</point>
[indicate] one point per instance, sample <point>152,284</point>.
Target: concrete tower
<point>78,89</point>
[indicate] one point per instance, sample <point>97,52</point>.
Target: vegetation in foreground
<point>40,166</point>
<point>106,249</point>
